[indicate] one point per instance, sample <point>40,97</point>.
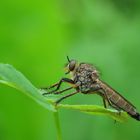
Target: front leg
<point>66,80</point>
<point>58,92</point>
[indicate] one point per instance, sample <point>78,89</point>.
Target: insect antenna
<point>68,59</point>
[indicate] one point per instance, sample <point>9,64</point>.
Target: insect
<point>85,79</point>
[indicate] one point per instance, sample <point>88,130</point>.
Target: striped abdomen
<point>119,101</point>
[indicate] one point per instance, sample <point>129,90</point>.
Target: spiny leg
<point>59,84</point>
<point>52,86</point>
<point>64,80</point>
<point>59,92</point>
<point>66,96</point>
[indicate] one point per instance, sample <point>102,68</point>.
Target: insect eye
<point>72,65</point>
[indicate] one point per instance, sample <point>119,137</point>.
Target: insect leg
<point>110,103</point>
<point>104,101</point>
<point>59,92</point>
<point>96,88</point>
<point>66,96</point>
<point>102,93</point>
<point>105,97</point>
<point>64,80</point>
<point>52,86</point>
<point>59,84</point>
<point>117,108</point>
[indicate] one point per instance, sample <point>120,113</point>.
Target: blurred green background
<point>36,36</point>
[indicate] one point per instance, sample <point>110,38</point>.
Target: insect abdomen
<point>119,101</point>
<point>123,104</point>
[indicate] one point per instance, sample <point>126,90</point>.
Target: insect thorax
<point>84,76</point>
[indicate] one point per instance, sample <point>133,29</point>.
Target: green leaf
<point>97,110</point>
<point>13,78</point>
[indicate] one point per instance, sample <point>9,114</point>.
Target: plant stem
<point>57,123</point>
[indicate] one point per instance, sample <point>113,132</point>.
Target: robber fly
<point>85,79</point>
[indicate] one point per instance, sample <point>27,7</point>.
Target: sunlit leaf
<point>13,78</point>
<point>97,110</point>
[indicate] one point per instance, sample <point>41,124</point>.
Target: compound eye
<point>72,65</point>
